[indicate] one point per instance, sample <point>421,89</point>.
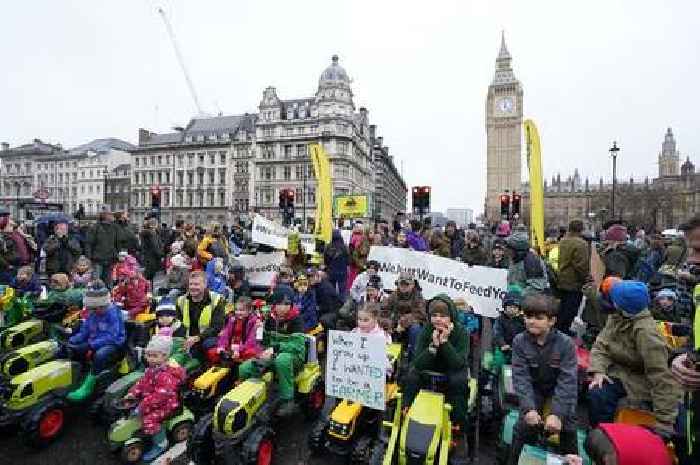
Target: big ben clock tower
<point>504,122</point>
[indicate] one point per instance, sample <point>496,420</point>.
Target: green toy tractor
<point>240,430</point>
<point>25,358</point>
<point>126,437</point>
<point>34,401</point>
<point>22,334</point>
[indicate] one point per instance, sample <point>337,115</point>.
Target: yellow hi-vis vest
<point>204,318</point>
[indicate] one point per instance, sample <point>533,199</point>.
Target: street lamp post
<point>613,152</point>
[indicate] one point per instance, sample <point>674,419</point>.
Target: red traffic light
<point>505,199</point>
<point>426,189</point>
<point>290,194</point>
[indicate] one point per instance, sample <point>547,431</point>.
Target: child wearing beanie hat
<point>102,333</point>
<point>629,359</point>
<point>166,318</point>
<point>509,323</point>
<point>664,306</point>
<point>157,393</point>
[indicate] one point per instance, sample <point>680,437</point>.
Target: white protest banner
<point>308,242</point>
<point>346,233</point>
<point>269,233</point>
<point>260,269</point>
<point>356,368</point>
<point>480,286</point>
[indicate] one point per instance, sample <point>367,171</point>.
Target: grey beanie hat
<point>159,343</point>
<point>96,295</point>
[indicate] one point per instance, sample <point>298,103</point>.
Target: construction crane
<point>180,60</point>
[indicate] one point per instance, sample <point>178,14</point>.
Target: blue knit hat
<point>631,297</point>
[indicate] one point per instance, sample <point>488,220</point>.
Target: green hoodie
<point>450,356</point>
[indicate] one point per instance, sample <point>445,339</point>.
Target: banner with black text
<point>482,287</point>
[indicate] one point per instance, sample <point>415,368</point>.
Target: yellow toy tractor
<point>351,430</point>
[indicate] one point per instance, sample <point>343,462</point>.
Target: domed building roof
<point>335,72</point>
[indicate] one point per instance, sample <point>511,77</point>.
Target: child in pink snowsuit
<point>126,265</point>
<point>238,336</point>
<point>157,392</point>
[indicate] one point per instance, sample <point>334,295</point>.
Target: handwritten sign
<point>356,368</point>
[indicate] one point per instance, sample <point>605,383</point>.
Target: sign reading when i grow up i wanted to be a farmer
<point>356,368</point>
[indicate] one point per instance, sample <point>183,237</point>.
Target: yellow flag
<point>534,164</point>
<point>324,193</point>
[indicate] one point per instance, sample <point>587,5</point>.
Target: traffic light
<point>421,199</point>
<point>155,197</point>
<point>425,197</point>
<point>516,204</point>
<point>286,205</point>
<point>505,205</point>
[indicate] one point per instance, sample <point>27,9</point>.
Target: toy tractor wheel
<point>200,445</point>
<point>182,431</point>
<point>45,425</point>
<point>315,401</point>
<point>265,450</point>
<point>377,455</point>
<point>361,451</point>
<point>132,453</point>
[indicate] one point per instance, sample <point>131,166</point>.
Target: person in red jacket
<point>622,444</point>
<point>238,336</point>
<point>133,292</point>
<point>157,393</point>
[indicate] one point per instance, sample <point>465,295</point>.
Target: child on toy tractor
<point>544,372</point>
<point>285,347</point>
<point>442,346</point>
<point>630,359</point>
<point>509,324</point>
<point>102,335</point>
<point>132,291</point>
<point>157,393</point>
<point>238,336</point>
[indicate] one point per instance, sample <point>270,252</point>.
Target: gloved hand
<point>685,372</point>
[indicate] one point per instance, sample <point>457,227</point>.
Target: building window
<point>287,151</point>
<point>160,160</point>
<point>189,199</point>
<point>342,148</point>
<point>299,171</point>
<point>290,132</point>
<point>211,176</point>
<point>160,178</point>
<point>190,179</point>
<point>222,158</point>
<point>200,178</point>
<point>212,157</point>
<point>178,199</point>
<point>190,159</point>
<point>222,176</point>
<point>222,198</point>
<point>301,150</point>
<point>287,172</point>
<point>180,160</point>
<point>151,177</point>
<point>167,159</point>
<point>267,132</point>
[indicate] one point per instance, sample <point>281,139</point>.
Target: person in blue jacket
<point>305,300</point>
<point>217,277</point>
<point>102,334</point>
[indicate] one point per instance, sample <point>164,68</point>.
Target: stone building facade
<point>655,204</point>
<point>504,121</point>
<point>215,168</point>
<point>70,177</point>
<point>117,191</point>
<point>192,167</point>
<point>390,191</point>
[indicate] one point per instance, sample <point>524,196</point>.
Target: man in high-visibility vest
<point>202,313</point>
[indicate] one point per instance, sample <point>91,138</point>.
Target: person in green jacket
<point>443,347</point>
<point>285,349</point>
<point>629,359</point>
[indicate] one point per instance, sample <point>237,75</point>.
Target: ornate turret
<point>334,95</point>
<point>504,71</point>
<point>688,168</point>
<point>669,158</point>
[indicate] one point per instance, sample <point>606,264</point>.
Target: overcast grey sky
<point>592,72</point>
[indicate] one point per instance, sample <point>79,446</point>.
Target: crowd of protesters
<point>609,289</point>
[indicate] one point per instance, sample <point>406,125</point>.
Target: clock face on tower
<point>505,105</point>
